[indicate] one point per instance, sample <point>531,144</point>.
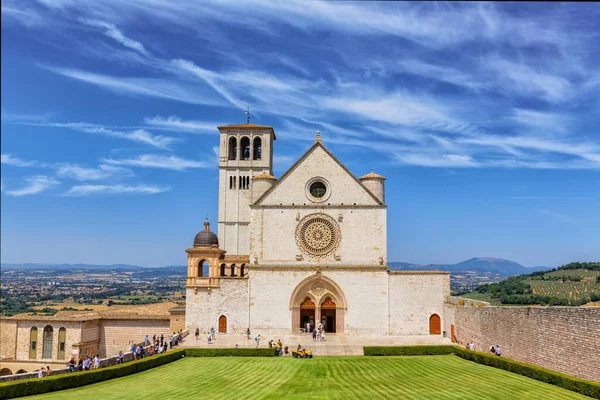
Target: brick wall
<point>564,339</point>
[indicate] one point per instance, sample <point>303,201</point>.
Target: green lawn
<point>420,377</point>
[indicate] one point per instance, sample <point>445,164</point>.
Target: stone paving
<point>335,345</point>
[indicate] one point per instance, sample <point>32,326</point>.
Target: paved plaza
<point>335,345</point>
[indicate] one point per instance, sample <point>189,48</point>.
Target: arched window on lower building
<point>233,270</point>
<point>5,371</point>
<point>62,342</point>
<point>47,344</point>
<point>243,270</point>
<point>33,337</point>
<point>223,270</point>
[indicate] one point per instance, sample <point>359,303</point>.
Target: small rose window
<point>318,189</point>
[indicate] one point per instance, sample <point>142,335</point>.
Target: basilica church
<point>307,247</point>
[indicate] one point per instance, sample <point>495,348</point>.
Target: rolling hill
<point>478,264</point>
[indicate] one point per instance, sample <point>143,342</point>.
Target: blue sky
<point>483,117</point>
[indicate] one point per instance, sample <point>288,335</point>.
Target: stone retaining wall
<point>104,362</point>
<point>563,339</point>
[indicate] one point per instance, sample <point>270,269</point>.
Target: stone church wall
<point>231,300</point>
<point>413,298</point>
<point>363,236</point>
<point>564,339</point>
<point>365,292</point>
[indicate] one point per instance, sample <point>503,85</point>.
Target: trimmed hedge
<point>28,387</point>
<point>578,385</point>
<point>408,350</point>
<point>216,352</point>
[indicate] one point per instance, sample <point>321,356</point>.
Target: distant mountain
<point>108,267</point>
<point>481,264</point>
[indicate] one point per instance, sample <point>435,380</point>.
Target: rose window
<point>318,235</point>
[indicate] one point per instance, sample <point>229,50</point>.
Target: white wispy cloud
<point>163,162</point>
<point>557,216</point>
<point>137,135</point>
<point>113,32</point>
<point>80,173</point>
<point>88,190</point>
<point>35,184</point>
<point>174,123</point>
<point>17,162</point>
<point>166,88</point>
<point>538,119</point>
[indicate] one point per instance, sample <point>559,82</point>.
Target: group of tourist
<point>495,350</point>
<point>318,332</point>
<point>492,350</point>
<point>210,335</point>
<point>42,372</point>
<point>84,364</point>
<point>157,346</point>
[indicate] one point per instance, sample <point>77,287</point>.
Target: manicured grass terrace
<point>406,377</point>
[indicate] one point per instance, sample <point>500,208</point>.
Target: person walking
<point>314,334</point>
<point>248,333</point>
<point>197,333</point>
<point>257,340</point>
<point>209,337</point>
<point>212,333</point>
<point>498,351</point>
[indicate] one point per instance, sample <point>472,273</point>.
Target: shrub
<point>28,387</point>
<point>408,350</point>
<point>216,352</point>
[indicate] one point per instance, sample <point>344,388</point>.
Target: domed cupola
<point>206,238</point>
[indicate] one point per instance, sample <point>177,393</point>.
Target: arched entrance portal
<point>318,299</point>
<point>307,312</point>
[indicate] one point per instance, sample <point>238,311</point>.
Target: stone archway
<point>328,304</point>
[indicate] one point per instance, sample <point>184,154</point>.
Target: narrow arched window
<point>47,344</point>
<point>257,149</point>
<point>233,270</point>
<point>245,148</point>
<point>243,270</point>
<point>33,338</point>
<point>223,270</point>
<point>62,340</point>
<point>232,148</point>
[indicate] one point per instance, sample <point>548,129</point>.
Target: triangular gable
<point>370,197</point>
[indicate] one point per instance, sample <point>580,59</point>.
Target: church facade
<point>307,247</point>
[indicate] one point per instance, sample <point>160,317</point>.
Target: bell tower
<point>246,150</point>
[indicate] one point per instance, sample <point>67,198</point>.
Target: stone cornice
<point>318,207</point>
<point>205,250</point>
<point>382,268</point>
<point>419,273</point>
<point>237,258</point>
